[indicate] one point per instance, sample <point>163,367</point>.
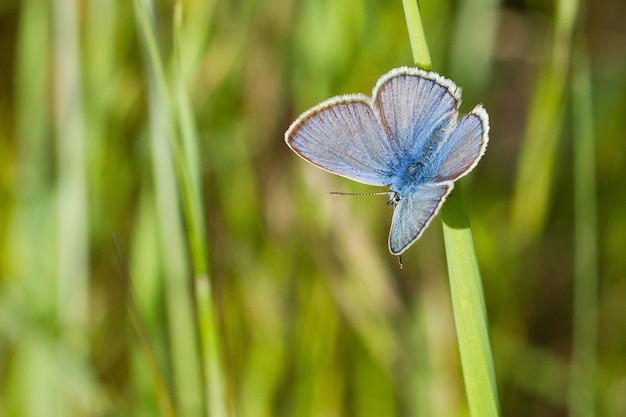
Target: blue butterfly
<point>407,136</point>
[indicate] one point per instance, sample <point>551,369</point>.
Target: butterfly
<point>407,136</point>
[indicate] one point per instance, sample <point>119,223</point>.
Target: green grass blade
<point>215,398</point>
<point>182,324</point>
<point>73,246</point>
<point>189,166</point>
<point>419,46</point>
<point>470,313</point>
<point>465,284</point>
<point>585,322</point>
<point>139,325</point>
<point>535,174</point>
<point>471,50</point>
<point>26,260</point>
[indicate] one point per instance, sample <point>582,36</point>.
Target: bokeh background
<point>103,290</point>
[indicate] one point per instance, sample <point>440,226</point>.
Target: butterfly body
<point>409,176</point>
<point>407,137</point>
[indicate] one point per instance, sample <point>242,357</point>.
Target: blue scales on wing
<point>342,135</point>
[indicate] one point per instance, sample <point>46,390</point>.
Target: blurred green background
<point>142,158</point>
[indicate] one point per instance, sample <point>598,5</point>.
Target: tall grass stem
<point>183,331</point>
<point>533,183</point>
<point>465,282</point>
<point>419,46</point>
<point>585,320</point>
<point>72,233</point>
<point>470,314</point>
<point>189,168</point>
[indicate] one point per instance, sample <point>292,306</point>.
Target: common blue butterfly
<point>407,136</point>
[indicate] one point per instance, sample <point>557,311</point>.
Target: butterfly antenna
<point>360,194</point>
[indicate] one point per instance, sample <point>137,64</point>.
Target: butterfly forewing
<point>342,135</point>
<point>417,109</point>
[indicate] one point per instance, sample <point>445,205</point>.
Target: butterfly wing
<point>343,136</point>
<point>413,213</point>
<point>417,108</point>
<point>462,150</point>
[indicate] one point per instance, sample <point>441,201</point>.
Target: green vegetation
<point>162,252</point>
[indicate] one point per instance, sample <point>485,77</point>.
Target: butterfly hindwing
<point>413,213</point>
<point>462,150</point>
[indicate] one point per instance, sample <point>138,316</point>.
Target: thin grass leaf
<point>210,345</point>
<point>182,324</point>
<point>470,313</point>
<point>533,185</point>
<point>585,321</point>
<point>141,330</point>
<point>466,286</point>
<point>419,46</point>
<point>73,244</point>
<point>28,260</point>
<point>471,50</point>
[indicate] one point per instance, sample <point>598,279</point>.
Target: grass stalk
<point>72,234</point>
<point>470,314</point>
<point>465,282</point>
<point>421,54</point>
<point>535,173</point>
<point>215,398</point>
<point>27,244</point>
<point>186,361</point>
<point>184,146</point>
<point>141,331</point>
<point>581,397</point>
